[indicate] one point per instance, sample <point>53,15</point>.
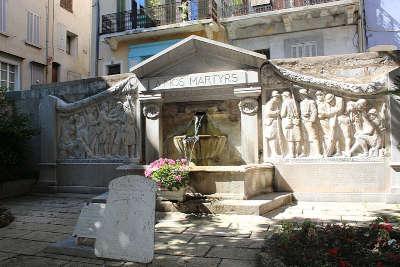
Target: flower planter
<point>172,195</point>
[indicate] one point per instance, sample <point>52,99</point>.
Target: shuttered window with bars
<point>3,16</point>
<point>33,34</point>
<point>8,76</point>
<point>66,4</point>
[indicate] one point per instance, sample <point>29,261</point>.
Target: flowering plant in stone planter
<point>171,177</point>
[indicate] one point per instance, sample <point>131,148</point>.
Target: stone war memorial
<point>259,134</point>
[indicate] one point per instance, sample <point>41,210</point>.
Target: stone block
<point>127,231</point>
<point>237,182</point>
<point>89,220</point>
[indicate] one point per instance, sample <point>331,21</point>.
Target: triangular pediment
<point>198,55</point>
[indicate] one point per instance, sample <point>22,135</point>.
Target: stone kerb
<point>127,229</point>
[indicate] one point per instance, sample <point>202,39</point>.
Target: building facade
<point>43,41</point>
<point>382,24</point>
<point>294,28</point>
<point>130,31</point>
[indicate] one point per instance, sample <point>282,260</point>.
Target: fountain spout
<point>202,146</point>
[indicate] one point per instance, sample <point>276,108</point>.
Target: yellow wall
<point>14,49</point>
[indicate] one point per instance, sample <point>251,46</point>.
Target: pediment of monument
<point>198,55</point>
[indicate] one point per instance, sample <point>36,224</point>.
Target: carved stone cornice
<point>126,86</point>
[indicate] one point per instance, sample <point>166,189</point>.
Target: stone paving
<point>181,239</point>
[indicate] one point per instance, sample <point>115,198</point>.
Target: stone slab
<point>332,177</point>
<point>31,261</point>
<point>340,197</point>
<point>127,231</point>
<point>21,246</point>
<point>89,220</point>
<point>237,263</point>
<point>70,248</point>
<point>233,253</point>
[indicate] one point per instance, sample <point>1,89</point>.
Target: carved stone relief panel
<point>106,129</point>
<point>306,123</point>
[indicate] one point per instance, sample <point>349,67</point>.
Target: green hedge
<point>15,132</point>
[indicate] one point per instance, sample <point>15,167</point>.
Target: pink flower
<point>183,161</point>
<point>178,178</point>
<point>148,172</point>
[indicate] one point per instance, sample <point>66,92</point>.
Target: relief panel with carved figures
<point>308,123</point>
<point>104,130</point>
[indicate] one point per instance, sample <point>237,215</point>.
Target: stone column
<point>393,195</point>
<point>249,122</point>
<point>152,107</point>
<point>48,144</point>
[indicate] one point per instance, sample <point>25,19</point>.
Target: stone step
<point>255,206</point>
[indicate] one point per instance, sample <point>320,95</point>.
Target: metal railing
<point>147,17</point>
<point>244,7</point>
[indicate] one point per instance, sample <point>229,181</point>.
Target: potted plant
<point>171,177</point>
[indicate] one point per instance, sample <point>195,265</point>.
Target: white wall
<point>337,40</point>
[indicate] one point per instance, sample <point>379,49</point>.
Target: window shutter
<point>29,27</point>
<point>36,36</point>
<point>62,34</point>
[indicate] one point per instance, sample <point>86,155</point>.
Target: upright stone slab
<point>127,231</point>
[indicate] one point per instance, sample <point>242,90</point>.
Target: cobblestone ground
<point>181,240</point>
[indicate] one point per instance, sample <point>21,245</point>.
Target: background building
<point>44,41</point>
<point>130,31</point>
<point>293,28</point>
<point>382,24</point>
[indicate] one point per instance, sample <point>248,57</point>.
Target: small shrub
<point>15,132</point>
<point>310,244</point>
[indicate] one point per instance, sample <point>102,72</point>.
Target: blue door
<point>194,9</point>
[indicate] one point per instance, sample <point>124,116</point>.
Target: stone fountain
<point>202,143</point>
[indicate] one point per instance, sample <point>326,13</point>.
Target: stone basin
<point>224,182</point>
<point>206,149</point>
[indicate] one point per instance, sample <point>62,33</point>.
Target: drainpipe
<point>47,42</point>
<point>96,64</point>
<point>362,28</point>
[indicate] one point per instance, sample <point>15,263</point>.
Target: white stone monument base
<point>334,181</point>
<point>232,182</point>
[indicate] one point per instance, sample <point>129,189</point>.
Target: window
<point>113,69</point>
<point>66,4</point>
<point>37,73</point>
<point>306,49</point>
<point>3,15</point>
<point>8,76</point>
<point>33,36</point>
<point>71,45</point>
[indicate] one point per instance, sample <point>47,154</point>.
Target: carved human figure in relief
<point>323,118</point>
<point>291,124</point>
<point>309,116</point>
<point>105,137</point>
<point>94,130</point>
<point>334,109</point>
<point>272,124</point>
<point>131,132</point>
<point>82,135</point>
<point>369,131</point>
<point>68,146</point>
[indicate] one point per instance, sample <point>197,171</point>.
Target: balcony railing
<point>244,7</point>
<point>147,17</point>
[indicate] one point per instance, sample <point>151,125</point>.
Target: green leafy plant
<point>168,173</point>
<point>15,132</point>
<point>310,244</point>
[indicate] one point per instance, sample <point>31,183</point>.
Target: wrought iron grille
<point>157,15</point>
